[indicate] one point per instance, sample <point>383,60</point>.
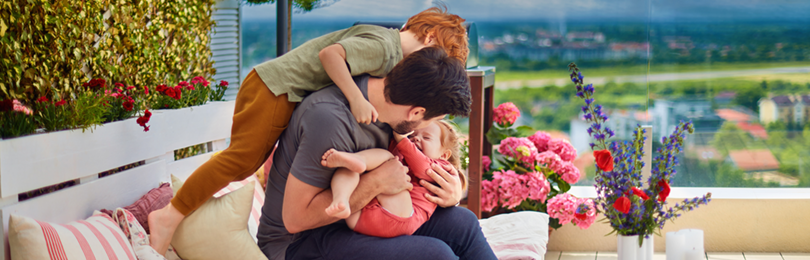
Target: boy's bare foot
<point>339,209</point>
<point>162,224</point>
<point>335,159</point>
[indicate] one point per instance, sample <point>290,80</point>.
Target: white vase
<point>628,248</point>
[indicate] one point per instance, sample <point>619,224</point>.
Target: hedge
<point>50,47</point>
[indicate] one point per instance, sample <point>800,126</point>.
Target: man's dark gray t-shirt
<point>323,120</point>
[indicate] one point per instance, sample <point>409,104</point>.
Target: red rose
<point>622,204</point>
<point>61,102</point>
<point>603,160</point>
<point>128,105</point>
<point>664,193</point>
<point>640,193</point>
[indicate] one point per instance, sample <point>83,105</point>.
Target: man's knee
<point>463,216</point>
<point>436,249</point>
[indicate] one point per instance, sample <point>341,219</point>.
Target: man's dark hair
<point>431,79</point>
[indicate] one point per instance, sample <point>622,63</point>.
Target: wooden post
<point>482,81</point>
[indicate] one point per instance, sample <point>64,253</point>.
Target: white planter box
<point>41,160</point>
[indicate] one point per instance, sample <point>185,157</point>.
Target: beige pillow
<point>217,229</point>
<point>95,237</point>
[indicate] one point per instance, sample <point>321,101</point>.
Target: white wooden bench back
<point>42,160</point>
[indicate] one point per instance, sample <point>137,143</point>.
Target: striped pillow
<point>97,237</point>
<point>256,208</point>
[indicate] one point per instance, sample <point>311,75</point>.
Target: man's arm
<point>304,204</point>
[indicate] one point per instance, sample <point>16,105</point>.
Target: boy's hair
<point>447,30</point>
<point>449,139</point>
<point>430,79</point>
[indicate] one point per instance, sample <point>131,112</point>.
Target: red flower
<point>145,90</point>
<point>6,105</point>
<point>169,92</point>
<point>142,120</point>
<point>128,105</point>
<point>664,193</point>
<point>640,193</point>
<point>130,87</point>
<point>178,92</point>
<point>622,204</point>
<point>61,102</point>
<point>119,85</point>
<point>603,160</point>
<point>147,114</point>
<point>161,88</point>
<point>581,216</point>
<point>42,99</point>
<point>146,128</point>
<point>223,83</point>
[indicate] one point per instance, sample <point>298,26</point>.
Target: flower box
<point>42,160</point>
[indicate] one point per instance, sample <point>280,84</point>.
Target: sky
<point>553,9</point>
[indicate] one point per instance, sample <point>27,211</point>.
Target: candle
<point>693,244</point>
<point>675,246</point>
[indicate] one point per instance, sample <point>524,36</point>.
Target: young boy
<point>261,115</point>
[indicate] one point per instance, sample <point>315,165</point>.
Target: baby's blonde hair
<point>449,139</point>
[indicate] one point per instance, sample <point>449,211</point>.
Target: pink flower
<point>519,148</point>
<point>549,158</point>
<point>567,171</point>
<point>562,207</point>
<point>19,107</point>
<point>585,214</point>
<point>563,148</point>
<point>540,140</point>
<point>489,195</point>
<point>539,186</point>
<point>506,114</point>
<point>486,161</point>
<point>513,189</point>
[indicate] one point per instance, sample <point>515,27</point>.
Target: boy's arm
<point>333,59</point>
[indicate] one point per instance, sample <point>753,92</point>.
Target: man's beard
<point>405,127</point>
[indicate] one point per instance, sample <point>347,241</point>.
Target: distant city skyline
<point>557,10</point>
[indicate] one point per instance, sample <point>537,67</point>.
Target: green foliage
<point>14,123</point>
<point>730,137</point>
<point>300,5</point>
<point>218,93</point>
<point>50,47</point>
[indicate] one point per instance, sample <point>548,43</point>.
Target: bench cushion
<point>97,237</point>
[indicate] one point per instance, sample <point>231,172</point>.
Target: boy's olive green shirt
<point>369,49</point>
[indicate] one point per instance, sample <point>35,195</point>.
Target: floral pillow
<point>155,199</point>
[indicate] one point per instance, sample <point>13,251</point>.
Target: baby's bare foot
<point>163,223</point>
<point>335,159</point>
<point>339,209</point>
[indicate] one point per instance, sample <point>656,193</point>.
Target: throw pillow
<point>519,235</point>
<point>138,237</point>
<point>155,199</point>
<point>95,237</point>
<point>217,229</point>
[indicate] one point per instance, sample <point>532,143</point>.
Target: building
<point>668,113</point>
<point>787,108</point>
<point>760,164</point>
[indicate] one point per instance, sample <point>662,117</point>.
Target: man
<point>424,87</point>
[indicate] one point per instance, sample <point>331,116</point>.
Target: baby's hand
<point>363,111</point>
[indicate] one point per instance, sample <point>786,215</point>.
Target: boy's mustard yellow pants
<point>259,117</point>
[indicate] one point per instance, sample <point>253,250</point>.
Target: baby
<point>402,213</point>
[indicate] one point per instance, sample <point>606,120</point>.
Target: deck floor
<point>556,255</point>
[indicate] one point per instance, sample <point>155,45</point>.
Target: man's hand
<point>390,178</point>
<point>449,192</point>
<point>363,111</point>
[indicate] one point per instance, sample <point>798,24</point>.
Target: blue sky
<point>555,9</point>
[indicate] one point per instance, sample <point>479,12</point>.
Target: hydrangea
<point>540,186</point>
<point>486,161</point>
<point>520,148</point>
<point>563,207</point>
<point>585,214</point>
<point>540,140</point>
<point>489,194</point>
<point>513,189</point>
<point>506,114</point>
<point>563,148</point>
<point>567,171</point>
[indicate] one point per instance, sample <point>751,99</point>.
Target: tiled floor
<point>661,256</point>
